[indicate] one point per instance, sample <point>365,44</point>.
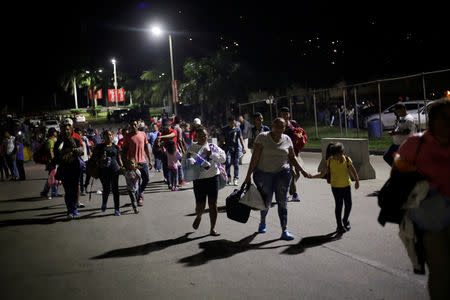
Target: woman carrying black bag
<point>273,153</point>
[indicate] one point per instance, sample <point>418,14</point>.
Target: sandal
<point>214,233</point>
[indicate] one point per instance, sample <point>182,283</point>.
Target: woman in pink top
<point>431,156</point>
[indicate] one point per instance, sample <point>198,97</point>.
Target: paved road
<point>157,254</point>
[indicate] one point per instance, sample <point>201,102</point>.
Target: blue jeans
<point>145,178</point>
<point>232,160</point>
<point>278,183</point>
<point>110,183</point>
<point>11,162</point>
<point>158,164</point>
<point>172,177</point>
<point>388,154</point>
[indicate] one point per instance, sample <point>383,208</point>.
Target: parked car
<point>120,115</point>
<point>51,124</point>
<point>388,117</point>
<point>80,118</point>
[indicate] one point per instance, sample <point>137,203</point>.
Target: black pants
<point>3,167</point>
<point>342,196</point>
<point>20,169</point>
<point>110,182</point>
<point>207,187</point>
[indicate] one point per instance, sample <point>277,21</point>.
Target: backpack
<point>299,137</point>
<point>41,154</point>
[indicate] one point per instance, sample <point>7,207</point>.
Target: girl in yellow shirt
<point>339,167</point>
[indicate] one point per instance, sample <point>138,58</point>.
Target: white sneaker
<point>236,182</point>
<point>99,192</point>
<point>229,182</point>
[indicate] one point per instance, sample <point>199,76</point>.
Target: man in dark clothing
<point>230,138</point>
<point>256,129</point>
<point>67,151</point>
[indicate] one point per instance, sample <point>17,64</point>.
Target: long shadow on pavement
<point>56,206</point>
<point>56,219</point>
<point>220,209</point>
<point>219,249</point>
<point>29,199</point>
<point>148,248</point>
<point>311,241</point>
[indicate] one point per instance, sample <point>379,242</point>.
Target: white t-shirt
<point>217,156</point>
<point>274,156</point>
<point>404,123</point>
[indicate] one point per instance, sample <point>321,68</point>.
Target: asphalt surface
<point>157,255</point>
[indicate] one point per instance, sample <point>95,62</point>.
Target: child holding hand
<point>339,167</point>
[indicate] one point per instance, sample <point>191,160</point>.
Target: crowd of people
<point>166,144</point>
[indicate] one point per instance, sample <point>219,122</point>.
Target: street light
<point>157,31</point>
<point>115,83</point>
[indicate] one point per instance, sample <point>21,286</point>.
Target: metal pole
<point>115,85</point>
<point>425,103</point>
<point>315,114</point>
<point>379,108</point>
<point>356,112</point>
<point>75,92</point>
<point>340,120</point>
<point>345,111</point>
<point>173,76</point>
<point>271,116</point>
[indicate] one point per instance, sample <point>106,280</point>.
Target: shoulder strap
<point>347,161</point>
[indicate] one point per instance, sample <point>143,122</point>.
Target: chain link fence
<point>356,110</point>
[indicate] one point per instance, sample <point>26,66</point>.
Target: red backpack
<point>299,139</point>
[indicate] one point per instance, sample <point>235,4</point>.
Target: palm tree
<point>70,81</point>
<point>158,89</point>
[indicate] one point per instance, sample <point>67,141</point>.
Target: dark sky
<point>372,39</point>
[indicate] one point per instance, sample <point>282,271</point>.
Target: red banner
<point>98,93</point>
<point>112,95</point>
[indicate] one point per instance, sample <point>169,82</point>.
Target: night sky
<point>313,43</point>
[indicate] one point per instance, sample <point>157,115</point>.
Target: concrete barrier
<point>357,150</point>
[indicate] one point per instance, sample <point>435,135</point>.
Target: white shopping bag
<point>252,198</point>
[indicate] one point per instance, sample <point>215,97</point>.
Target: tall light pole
<point>157,32</point>
<point>115,83</point>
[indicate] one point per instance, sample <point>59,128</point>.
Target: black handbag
<point>395,193</point>
<point>237,211</point>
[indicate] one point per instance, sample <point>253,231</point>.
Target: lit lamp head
<point>156,30</point>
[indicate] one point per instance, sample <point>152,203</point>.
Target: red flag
<point>99,94</point>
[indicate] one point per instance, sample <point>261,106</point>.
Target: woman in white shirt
<point>207,184</point>
<point>273,155</point>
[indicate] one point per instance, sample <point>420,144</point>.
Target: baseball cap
<point>285,109</point>
<point>67,121</point>
<point>197,121</point>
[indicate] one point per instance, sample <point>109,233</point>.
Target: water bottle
<point>201,161</point>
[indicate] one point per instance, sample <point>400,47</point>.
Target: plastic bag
<point>52,182</point>
<point>252,198</point>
